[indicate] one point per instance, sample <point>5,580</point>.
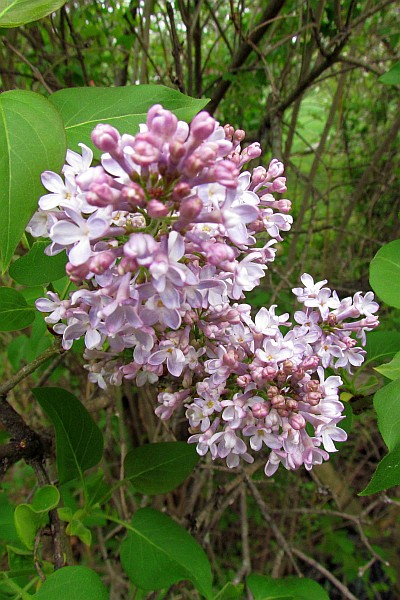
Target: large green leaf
<point>387,473</point>
<point>123,107</point>
<point>391,370</point>
<point>73,583</point>
<point>391,77</point>
<point>159,468</point>
<point>18,12</point>
<point>382,345</point>
<point>32,140</point>
<point>387,406</point>
<point>384,273</point>
<point>288,588</point>
<point>158,552</point>
<point>79,442</point>
<point>15,313</point>
<point>36,268</point>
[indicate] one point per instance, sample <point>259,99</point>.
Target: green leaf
<point>382,345</point>
<point>79,442</point>
<point>391,77</point>
<point>7,525</point>
<point>387,474</point>
<point>387,406</point>
<point>160,468</point>
<point>46,498</point>
<point>78,529</point>
<point>14,311</point>
<point>390,370</point>
<point>36,268</point>
<point>28,518</point>
<point>73,583</point>
<point>158,552</point>
<point>384,273</point>
<point>295,588</point>
<point>18,12</point>
<point>230,592</point>
<point>32,140</point>
<point>123,107</point>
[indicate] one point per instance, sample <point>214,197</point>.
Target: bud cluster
<point>163,239</point>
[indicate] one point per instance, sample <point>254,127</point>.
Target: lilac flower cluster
<point>163,238</point>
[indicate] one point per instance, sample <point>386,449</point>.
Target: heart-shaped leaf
<point>36,268</point>
<point>79,442</point>
<point>267,588</point>
<point>72,583</point>
<point>123,107</point>
<point>32,140</point>
<point>387,406</point>
<point>160,468</point>
<point>18,12</point>
<point>158,552</point>
<point>15,313</point>
<point>384,273</point>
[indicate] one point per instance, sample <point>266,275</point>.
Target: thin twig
<point>275,530</point>
<point>34,70</point>
<point>314,563</point>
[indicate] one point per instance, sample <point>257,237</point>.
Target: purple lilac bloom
<point>163,241</point>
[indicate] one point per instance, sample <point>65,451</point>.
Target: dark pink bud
<point>217,252</point>
<point>292,404</point>
<point>181,190</point>
<point>157,209</point>
<point>275,168</point>
<point>229,359</point>
<point>229,131</point>
<point>278,401</point>
<point>101,262</point>
<point>313,398</point>
<point>279,185</point>
<point>77,273</point>
<point>243,380</point>
<point>92,175</point>
<point>127,265</point>
<point>191,208</point>
<point>260,410</point>
<point>106,138</point>
<point>284,205</point>
<point>177,151</point>
<point>133,194</point>
<point>239,135</point>
<point>161,122</point>
<point>309,363</point>
<point>297,421</point>
<point>202,126</point>
<point>144,152</point>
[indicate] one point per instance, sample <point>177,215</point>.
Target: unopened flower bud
<point>297,421</point>
<point>278,401</point>
<point>157,209</point>
<point>77,273</point>
<point>190,208</point>
<point>279,185</point>
<point>275,169</point>
<point>101,262</point>
<point>260,410</point>
<point>106,138</point>
<point>313,398</point>
<point>202,126</point>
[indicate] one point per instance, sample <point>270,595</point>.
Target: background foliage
<point>317,83</point>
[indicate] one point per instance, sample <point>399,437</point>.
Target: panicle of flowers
<point>163,238</point>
